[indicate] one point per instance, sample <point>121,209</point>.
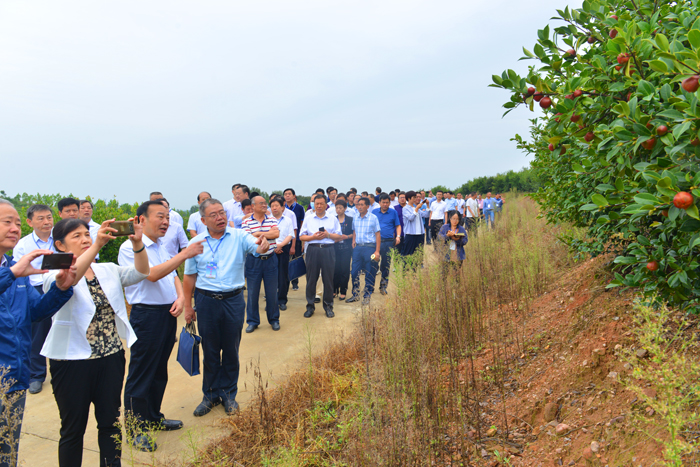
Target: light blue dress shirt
<point>366,228</point>
<point>450,204</point>
<point>413,221</point>
<point>230,260</point>
<point>489,204</point>
<point>26,245</point>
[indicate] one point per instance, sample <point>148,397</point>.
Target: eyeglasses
<point>215,215</point>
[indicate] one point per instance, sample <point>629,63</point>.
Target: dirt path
<point>278,354</point>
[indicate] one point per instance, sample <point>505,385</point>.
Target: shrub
<point>620,138</point>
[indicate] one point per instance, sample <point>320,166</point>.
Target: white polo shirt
<point>195,223</point>
<point>437,210</point>
<point>161,292</point>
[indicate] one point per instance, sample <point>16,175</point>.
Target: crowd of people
<point>244,243</point>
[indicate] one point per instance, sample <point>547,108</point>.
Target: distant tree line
<point>525,180</point>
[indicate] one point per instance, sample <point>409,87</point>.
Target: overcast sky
<point>120,98</point>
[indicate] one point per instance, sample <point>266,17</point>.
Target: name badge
<point>211,270</point>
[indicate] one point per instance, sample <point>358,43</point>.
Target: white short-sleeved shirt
<point>474,205</point>
<point>195,223</point>
<point>174,239</point>
<point>286,226</point>
<point>26,245</point>
<point>161,292</point>
<point>437,210</point>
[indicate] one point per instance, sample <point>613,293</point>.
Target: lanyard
<point>34,237</point>
<point>213,251</point>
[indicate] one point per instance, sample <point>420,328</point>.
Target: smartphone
<point>123,228</point>
<point>57,261</point>
<point>321,229</point>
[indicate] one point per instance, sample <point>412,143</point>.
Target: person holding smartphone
<point>84,345</point>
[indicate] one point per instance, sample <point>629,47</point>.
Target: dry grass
<point>406,388</point>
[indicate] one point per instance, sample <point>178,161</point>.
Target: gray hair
<point>4,201</point>
<point>206,203</point>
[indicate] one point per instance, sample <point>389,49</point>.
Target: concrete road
<point>278,353</point>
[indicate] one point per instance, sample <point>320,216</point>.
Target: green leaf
<point>619,184</point>
<point>589,207</point>
<point>662,42</point>
<point>496,79</point>
<point>694,38</point>
<point>645,88</point>
<point>678,130</point>
<point>599,200</point>
<point>666,92</point>
<point>672,114</point>
<point>625,260</point>
<point>528,53</point>
<point>646,198</point>
<point>577,168</point>
<point>692,211</point>
<point>658,65</point>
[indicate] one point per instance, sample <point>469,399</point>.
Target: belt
<point>153,307</point>
<point>219,295</point>
<point>263,257</point>
<point>373,245</point>
<point>384,240</point>
<point>320,245</point>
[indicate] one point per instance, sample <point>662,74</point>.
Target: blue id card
<point>211,270</point>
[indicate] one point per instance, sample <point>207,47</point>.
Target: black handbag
<point>297,268</point>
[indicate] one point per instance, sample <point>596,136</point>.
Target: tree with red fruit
<point>631,169</point>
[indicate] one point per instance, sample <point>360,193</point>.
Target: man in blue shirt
<point>290,202</point>
<point>489,207</point>
<point>216,278</point>
<point>366,238</point>
<point>20,305</point>
<point>391,236</point>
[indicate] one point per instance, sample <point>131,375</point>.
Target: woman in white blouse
<point>84,344</point>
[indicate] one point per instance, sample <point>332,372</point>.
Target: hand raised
<point>194,249</point>
<point>66,277</point>
<point>24,267</point>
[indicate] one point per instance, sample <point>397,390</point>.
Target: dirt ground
<point>277,353</point>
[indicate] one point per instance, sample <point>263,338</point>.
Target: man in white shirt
<point>85,213</point>
<point>175,238</point>
<point>332,194</point>
<point>437,214</point>
<point>373,204</point>
<point>472,211</point>
<point>460,204</point>
<point>40,219</point>
<point>284,244</point>
<point>175,217</point>
<point>393,199</point>
<point>233,206</point>
<point>195,224</point>
<point>155,305</point>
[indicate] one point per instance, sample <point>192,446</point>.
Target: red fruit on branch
<point>575,118</point>
<point>562,151</point>
<point>570,54</point>
<point>649,125</point>
<point>695,142</point>
<point>649,144</point>
<point>531,91</point>
<point>614,17</point>
<point>683,200</point>
<point>618,68</point>
<point>661,130</point>
<point>537,96</point>
<point>551,147</point>
<point>623,58</point>
<point>613,33</point>
<point>589,137</point>
<point>652,266</point>
<point>578,93</point>
<point>546,102</point>
<point>691,84</point>
<point>664,213</point>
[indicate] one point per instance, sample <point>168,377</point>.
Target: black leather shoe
<point>352,299</point>
<point>35,387</point>
<point>295,287</point>
<point>309,313</point>
<point>170,425</point>
<point>230,406</point>
<point>382,290</point>
<point>144,443</point>
<point>317,300</point>
<point>329,314</point>
<point>205,407</point>
<point>283,306</point>
<point>250,328</point>
<point>275,326</point>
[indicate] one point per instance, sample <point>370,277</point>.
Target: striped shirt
<point>366,228</point>
<point>251,225</point>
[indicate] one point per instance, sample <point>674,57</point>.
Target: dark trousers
<point>435,226</point>
<point>385,254</point>
<point>257,270</point>
<point>470,223</point>
<point>40,329</point>
<point>341,276</point>
<point>426,225</point>
<point>78,383</point>
<point>220,326</point>
<point>148,365</point>
<point>11,419</point>
<point>411,244</point>
<point>283,275</point>
<point>320,259</point>
<point>298,251</point>
<point>362,261</point>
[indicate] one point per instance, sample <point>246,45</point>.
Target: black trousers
<point>298,251</point>
<point>470,223</point>
<point>283,275</point>
<point>260,270</point>
<point>435,226</point>
<point>341,275</point>
<point>385,255</point>
<point>411,244</point>
<point>320,259</point>
<point>220,325</point>
<point>77,384</point>
<point>40,329</point>
<point>11,419</point>
<point>148,365</point>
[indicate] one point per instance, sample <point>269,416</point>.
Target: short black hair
<point>342,202</point>
<point>167,203</point>
<point>156,193</point>
<point>235,185</point>
<point>378,190</point>
<point>354,190</point>
<point>347,195</point>
<point>64,227</point>
<point>245,189</point>
<point>253,194</point>
<point>364,193</point>
<point>290,189</point>
<point>340,196</point>
<point>277,199</point>
<point>439,191</point>
<point>392,193</point>
<point>83,201</point>
<point>320,190</point>
<point>330,188</point>
<point>452,213</point>
<point>201,193</point>
<point>410,194</point>
<point>363,199</point>
<point>35,208</point>
<point>398,191</point>
<point>384,196</point>
<point>65,202</point>
<point>246,202</point>
<point>143,209</point>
